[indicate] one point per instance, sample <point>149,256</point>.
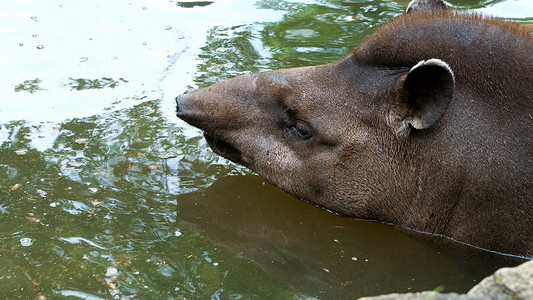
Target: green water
<point>104,194</point>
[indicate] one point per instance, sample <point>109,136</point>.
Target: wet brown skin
<point>426,125</point>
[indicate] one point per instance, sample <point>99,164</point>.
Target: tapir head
<point>322,132</point>
<point>389,132</point>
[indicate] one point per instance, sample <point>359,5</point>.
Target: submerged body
<point>426,125</point>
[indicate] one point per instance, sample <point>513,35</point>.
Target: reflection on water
<point>327,256</point>
<point>89,84</point>
<point>117,208</point>
<point>30,86</point>
<point>229,52</point>
<point>129,202</point>
<point>193,3</point>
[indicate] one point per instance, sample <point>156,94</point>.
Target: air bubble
<point>26,242</point>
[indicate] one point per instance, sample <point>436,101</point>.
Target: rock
<point>505,284</point>
<point>423,295</point>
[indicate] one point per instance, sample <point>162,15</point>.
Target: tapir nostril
<point>179,99</point>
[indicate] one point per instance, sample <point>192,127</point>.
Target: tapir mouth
<point>223,148</point>
<point>218,144</point>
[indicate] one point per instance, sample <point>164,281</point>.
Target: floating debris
<point>168,27</point>
<point>81,141</point>
<point>152,168</point>
<point>32,218</point>
<point>42,194</point>
<point>40,47</point>
<point>84,59</point>
<point>354,258</point>
<point>111,271</point>
<point>168,155</point>
<point>21,152</point>
<point>112,286</point>
<point>76,164</point>
<point>16,187</point>
<point>112,274</point>
<point>26,242</point>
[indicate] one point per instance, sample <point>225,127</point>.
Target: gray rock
<point>506,283</point>
<point>422,296</point>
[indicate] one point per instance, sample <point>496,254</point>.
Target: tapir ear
<point>421,96</point>
<point>425,5</point>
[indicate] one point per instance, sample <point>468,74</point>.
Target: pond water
<point>105,194</point>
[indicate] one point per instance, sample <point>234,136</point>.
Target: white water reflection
<point>81,39</point>
<point>511,9</point>
<point>149,45</point>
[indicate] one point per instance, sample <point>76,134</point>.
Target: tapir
<point>426,125</point>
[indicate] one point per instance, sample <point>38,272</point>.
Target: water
<point>105,194</point>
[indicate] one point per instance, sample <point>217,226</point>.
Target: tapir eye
<point>302,129</point>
